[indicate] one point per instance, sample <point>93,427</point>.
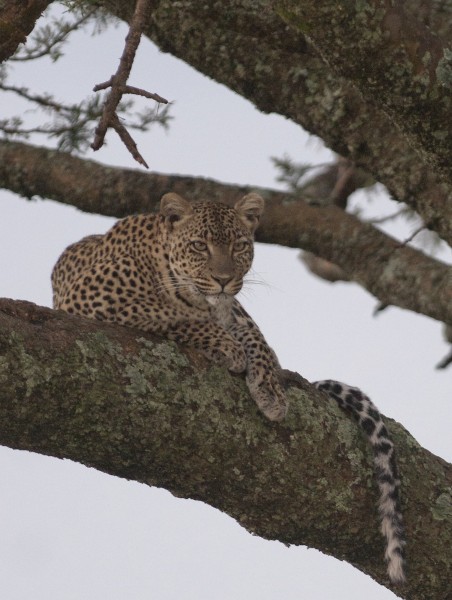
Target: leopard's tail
<point>369,418</point>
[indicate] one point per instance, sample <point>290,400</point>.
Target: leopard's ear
<point>174,208</point>
<point>250,209</point>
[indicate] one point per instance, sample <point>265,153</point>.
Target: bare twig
<point>381,306</point>
<point>127,140</point>
<point>344,185</point>
<point>45,101</point>
<point>386,218</point>
<point>104,85</point>
<point>447,360</point>
<point>411,237</point>
<point>130,89</point>
<point>118,86</point>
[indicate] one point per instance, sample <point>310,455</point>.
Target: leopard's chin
<point>220,298</point>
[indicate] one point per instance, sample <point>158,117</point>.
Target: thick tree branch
<point>138,408</point>
<point>389,56</point>
<point>17,20</point>
<point>253,52</point>
<point>396,275</point>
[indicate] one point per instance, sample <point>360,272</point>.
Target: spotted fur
<point>176,274</point>
<point>369,418</point>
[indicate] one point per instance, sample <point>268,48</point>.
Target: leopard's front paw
<point>268,395</point>
<point>230,355</point>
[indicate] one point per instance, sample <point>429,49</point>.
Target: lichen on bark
<point>141,408</point>
<point>251,49</point>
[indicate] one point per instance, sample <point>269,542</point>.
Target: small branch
<point>386,218</point>
<point>118,86</point>
<point>381,306</point>
<point>411,237</point>
<point>44,101</point>
<point>127,139</point>
<point>104,85</point>
<point>344,185</point>
<point>322,268</point>
<point>130,89</point>
<point>445,362</point>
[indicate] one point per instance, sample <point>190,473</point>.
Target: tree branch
<point>388,55</point>
<point>284,74</point>
<point>396,275</point>
<point>17,20</point>
<point>43,44</point>
<point>254,53</point>
<point>139,408</point>
<point>118,86</point>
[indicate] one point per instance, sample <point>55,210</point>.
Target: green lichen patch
<point>292,19</point>
<point>444,69</point>
<point>442,509</point>
<point>33,372</point>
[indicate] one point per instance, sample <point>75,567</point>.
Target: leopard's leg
<point>94,294</point>
<point>263,369</point>
<point>211,339</point>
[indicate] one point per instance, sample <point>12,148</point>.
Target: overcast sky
<point>72,533</point>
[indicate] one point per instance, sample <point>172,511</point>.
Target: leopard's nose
<point>223,280</point>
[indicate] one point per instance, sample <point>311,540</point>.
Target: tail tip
<point>396,570</point>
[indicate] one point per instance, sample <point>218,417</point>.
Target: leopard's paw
<point>269,396</point>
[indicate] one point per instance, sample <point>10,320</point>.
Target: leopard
<point>176,274</point>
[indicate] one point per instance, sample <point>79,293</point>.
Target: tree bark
<point>17,20</point>
<point>141,408</point>
<point>390,57</point>
<point>393,273</point>
<point>248,47</point>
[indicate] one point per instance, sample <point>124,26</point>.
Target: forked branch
<point>118,87</point>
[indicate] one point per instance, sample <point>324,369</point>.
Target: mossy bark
<point>395,274</point>
<point>140,408</point>
<point>260,50</point>
<point>393,59</point>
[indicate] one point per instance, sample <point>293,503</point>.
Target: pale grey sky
<point>74,533</point>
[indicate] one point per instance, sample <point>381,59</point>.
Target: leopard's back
<point>73,261</point>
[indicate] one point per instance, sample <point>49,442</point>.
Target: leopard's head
<point>210,245</point>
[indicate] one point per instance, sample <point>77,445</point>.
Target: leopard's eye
<point>198,245</point>
<point>240,245</point>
